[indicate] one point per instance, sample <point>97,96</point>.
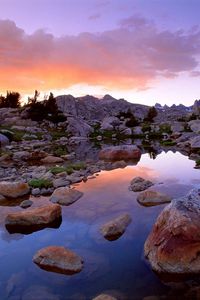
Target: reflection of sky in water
<point>115,265</point>
<point>171,166</point>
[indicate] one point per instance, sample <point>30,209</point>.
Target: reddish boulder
<point>59,260</point>
<point>173,245</point>
<point>123,152</point>
<point>34,219</point>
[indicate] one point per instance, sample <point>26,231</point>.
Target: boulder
<point>51,160</point>
<point>151,198</point>
<point>14,189</point>
<point>115,228</point>
<point>173,245</point>
<point>122,152</point>
<point>195,143</point>
<point>34,219</point>
<point>59,260</point>
<point>139,184</point>
<point>65,196</point>
<point>194,125</point>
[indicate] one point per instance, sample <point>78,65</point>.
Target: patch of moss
<point>40,183</point>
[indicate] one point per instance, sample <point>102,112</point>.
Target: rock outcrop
<point>115,228</point>
<point>173,245</point>
<point>34,219</point>
<point>122,152</point>
<point>59,260</point>
<point>13,189</point>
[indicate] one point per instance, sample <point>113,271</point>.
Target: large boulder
<point>59,260</point>
<point>13,189</point>
<point>109,123</point>
<point>151,198</point>
<point>173,245</point>
<point>78,127</point>
<point>139,184</point>
<point>116,227</point>
<point>194,125</point>
<point>34,219</point>
<point>65,196</point>
<point>122,152</point>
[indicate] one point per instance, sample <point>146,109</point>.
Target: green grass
<point>168,143</point>
<point>40,183</point>
<point>59,150</point>
<point>57,170</point>
<point>68,169</point>
<point>198,162</point>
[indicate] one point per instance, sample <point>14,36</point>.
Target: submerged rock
<point>116,227</point>
<point>151,198</point>
<point>59,260</point>
<point>34,219</point>
<point>13,189</point>
<point>36,292</point>
<point>65,196</point>
<point>139,184</point>
<point>173,245</point>
<point>123,152</point>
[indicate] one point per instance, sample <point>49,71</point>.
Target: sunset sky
<point>145,51</point>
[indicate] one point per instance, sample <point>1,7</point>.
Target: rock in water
<point>34,219</point>
<point>151,198</point>
<point>13,189</point>
<point>139,184</point>
<point>26,203</point>
<point>65,196</point>
<point>123,152</point>
<point>115,228</point>
<point>173,245</point>
<point>59,260</point>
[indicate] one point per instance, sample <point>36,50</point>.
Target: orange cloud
<point>129,56</point>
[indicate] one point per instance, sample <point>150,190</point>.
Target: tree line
<point>46,109</point>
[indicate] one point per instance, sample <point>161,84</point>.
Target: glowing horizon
<point>139,54</point>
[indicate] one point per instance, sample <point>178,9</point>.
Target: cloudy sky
<point>145,51</point>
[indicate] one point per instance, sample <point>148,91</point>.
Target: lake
<point>116,267</point>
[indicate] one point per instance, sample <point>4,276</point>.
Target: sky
<point>144,51</point>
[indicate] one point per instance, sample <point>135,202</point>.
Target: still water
<point>116,267</point>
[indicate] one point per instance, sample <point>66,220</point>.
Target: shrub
<point>152,113</point>
<point>44,110</point>
<point>40,183</point>
<point>12,100</point>
<point>198,162</point>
